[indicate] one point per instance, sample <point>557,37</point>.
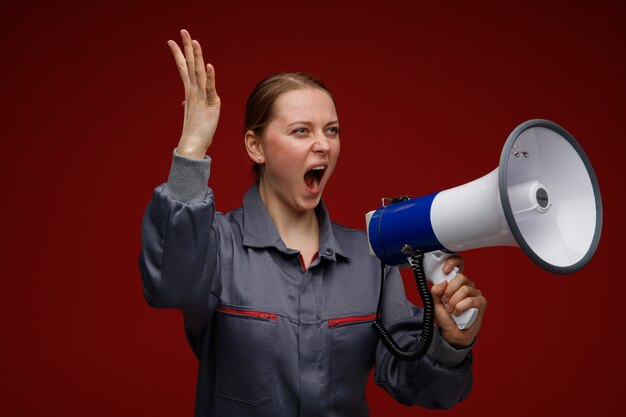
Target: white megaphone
<point>543,198</point>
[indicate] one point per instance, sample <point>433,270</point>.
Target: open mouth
<point>313,177</point>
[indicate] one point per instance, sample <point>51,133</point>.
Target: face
<point>299,149</point>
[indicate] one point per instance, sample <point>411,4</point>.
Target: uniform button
<point>328,252</point>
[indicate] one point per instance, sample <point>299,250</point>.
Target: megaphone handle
<point>433,267</point>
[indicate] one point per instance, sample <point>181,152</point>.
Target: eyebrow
<point>302,122</point>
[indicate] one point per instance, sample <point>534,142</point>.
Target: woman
<point>277,300</point>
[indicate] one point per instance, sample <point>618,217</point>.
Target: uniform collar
<point>259,230</point>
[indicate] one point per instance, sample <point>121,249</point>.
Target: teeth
<point>318,168</point>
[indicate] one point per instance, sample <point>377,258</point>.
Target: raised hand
<point>202,104</point>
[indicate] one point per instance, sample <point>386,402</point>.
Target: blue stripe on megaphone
<point>399,224</point>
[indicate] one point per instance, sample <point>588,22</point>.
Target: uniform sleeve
<point>179,257</point>
<point>439,380</point>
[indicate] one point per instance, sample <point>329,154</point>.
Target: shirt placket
<point>310,343</point>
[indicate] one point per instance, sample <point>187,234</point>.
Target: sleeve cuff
<point>188,178</point>
<point>446,355</point>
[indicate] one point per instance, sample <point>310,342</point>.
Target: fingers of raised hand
<point>211,92</point>
<point>190,63</point>
<point>199,69</point>
<point>189,55</point>
<point>181,63</point>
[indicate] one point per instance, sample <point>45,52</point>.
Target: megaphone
<point>543,197</point>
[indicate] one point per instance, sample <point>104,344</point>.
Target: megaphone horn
<point>543,197</point>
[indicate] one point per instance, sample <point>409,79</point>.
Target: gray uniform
<point>272,338</point>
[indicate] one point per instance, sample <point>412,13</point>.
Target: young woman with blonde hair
<point>278,301</point>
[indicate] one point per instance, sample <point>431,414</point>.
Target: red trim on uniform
<point>260,314</point>
<point>301,259</point>
<point>354,319</point>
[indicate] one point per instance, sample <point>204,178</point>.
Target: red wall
<point>427,95</point>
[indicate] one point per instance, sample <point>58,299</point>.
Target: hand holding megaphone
<point>456,292</point>
<point>433,267</point>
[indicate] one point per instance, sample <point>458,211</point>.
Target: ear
<point>254,147</point>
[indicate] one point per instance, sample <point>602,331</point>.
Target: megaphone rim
<point>506,204</point>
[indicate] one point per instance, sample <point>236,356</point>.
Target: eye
<point>300,131</point>
<point>332,131</point>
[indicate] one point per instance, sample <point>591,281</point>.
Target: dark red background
<point>427,91</point>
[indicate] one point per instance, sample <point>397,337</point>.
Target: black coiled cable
<point>416,260</point>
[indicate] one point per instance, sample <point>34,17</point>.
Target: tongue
<point>311,180</point>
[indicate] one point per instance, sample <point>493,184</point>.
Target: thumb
<point>438,290</point>
<point>441,313</point>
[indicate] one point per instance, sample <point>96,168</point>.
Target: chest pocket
<point>353,350</point>
<point>244,350</point>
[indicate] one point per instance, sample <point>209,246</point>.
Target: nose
<point>321,144</point>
